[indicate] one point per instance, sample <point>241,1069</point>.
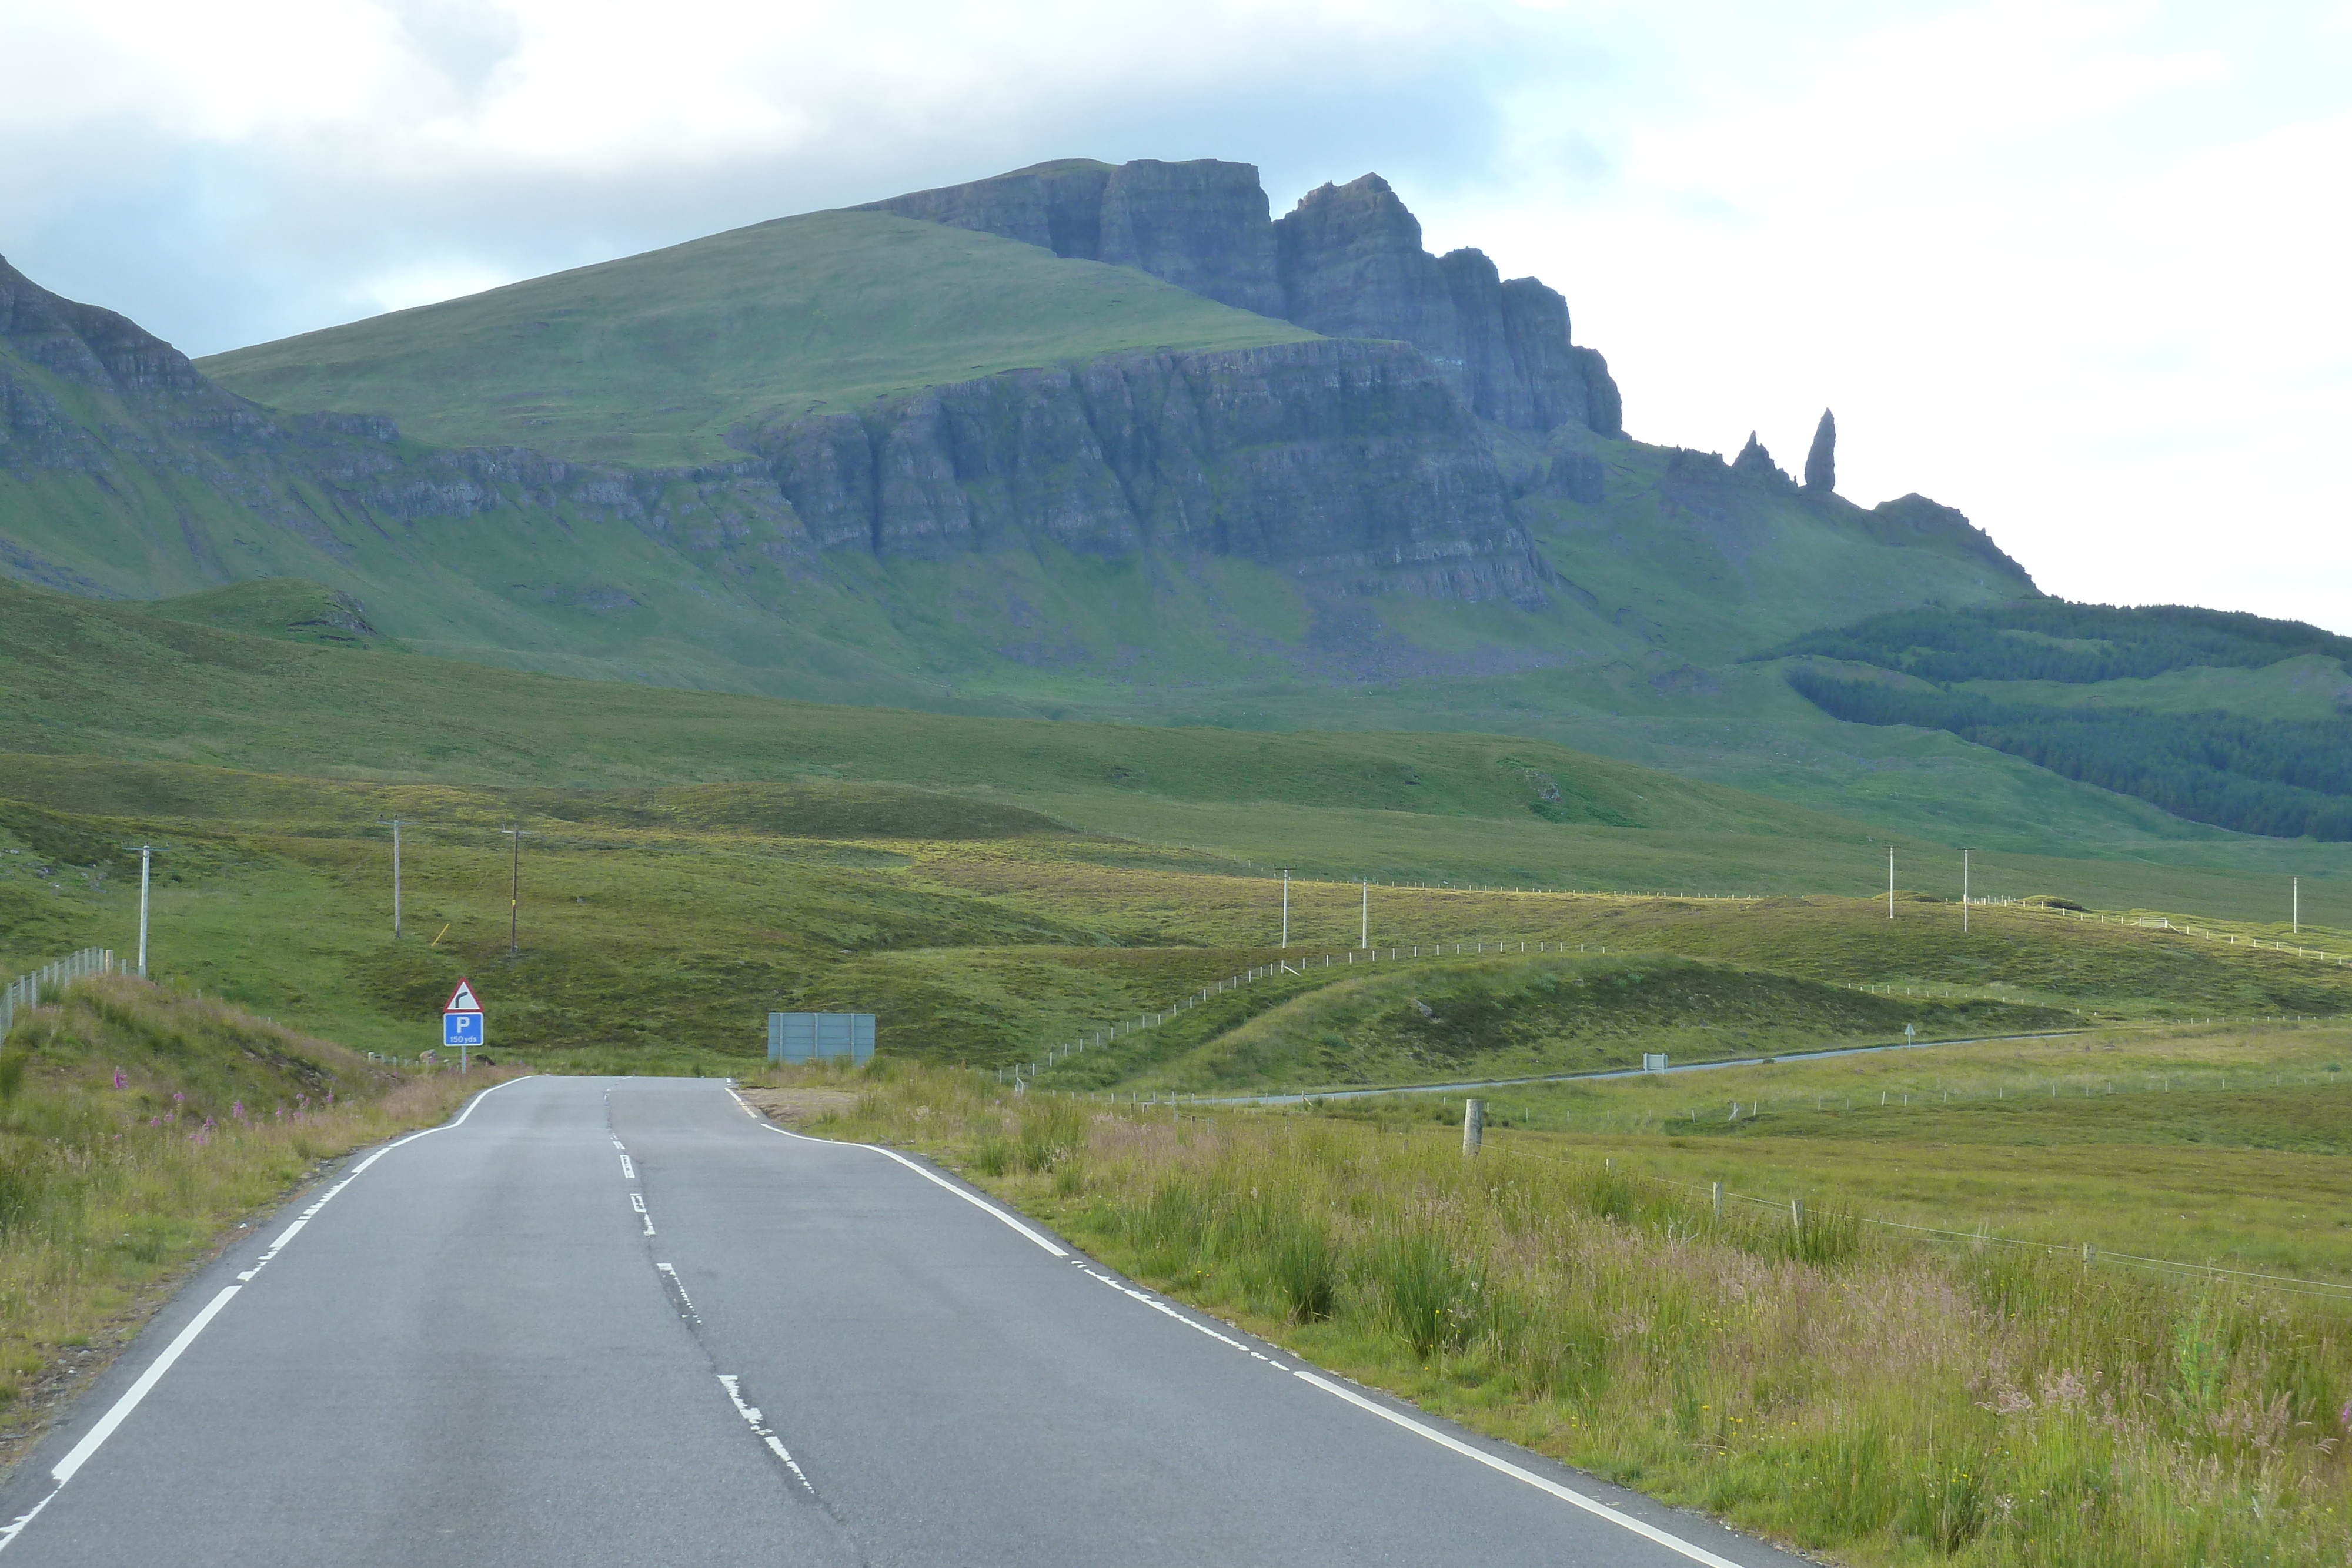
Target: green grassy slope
<point>658,926</point>
<point>98,678</point>
<point>650,359</point>
<point>78,678</point>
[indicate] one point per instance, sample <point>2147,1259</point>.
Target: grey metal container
<point>820,1036</point>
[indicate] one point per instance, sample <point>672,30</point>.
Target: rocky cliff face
<point>54,353</point>
<point>1202,224</point>
<point>1349,465</point>
<point>1348,263</point>
<point>1352,266</point>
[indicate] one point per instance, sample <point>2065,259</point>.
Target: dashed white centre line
<point>731,1382</point>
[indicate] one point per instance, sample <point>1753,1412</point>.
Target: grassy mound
<point>1512,1017</point>
<point>285,607</point>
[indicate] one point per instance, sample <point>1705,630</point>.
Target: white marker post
<point>146,863</point>
<point>1364,937</point>
<point>1285,906</point>
<point>1890,882</point>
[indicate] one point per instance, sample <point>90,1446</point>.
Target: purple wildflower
<point>121,1079</point>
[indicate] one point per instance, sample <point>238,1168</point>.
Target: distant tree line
<point>1980,643</point>
<point>2281,778</point>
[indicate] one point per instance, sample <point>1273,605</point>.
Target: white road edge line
<point>978,1202</point>
<point>1517,1472</point>
<point>65,1468</point>
<point>1675,1544</point>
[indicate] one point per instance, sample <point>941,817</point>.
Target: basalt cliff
<point>1308,427</point>
<point>1347,262</point>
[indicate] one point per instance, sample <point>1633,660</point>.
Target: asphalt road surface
<point>624,1321</point>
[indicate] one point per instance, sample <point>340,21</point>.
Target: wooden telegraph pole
<point>514,895</point>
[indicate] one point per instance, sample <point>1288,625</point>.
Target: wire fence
<point>26,991</point>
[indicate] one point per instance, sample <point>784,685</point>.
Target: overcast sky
<point>2078,269</point>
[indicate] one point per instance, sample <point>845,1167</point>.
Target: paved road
<point>623,1322</point>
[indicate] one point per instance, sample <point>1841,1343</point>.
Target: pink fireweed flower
<point>121,1079</point>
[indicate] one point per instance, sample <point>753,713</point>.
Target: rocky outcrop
<point>1820,463</point>
<point>1349,465</point>
<point>97,351</point>
<point>1756,463</point>
<point>1914,519</point>
<point>1202,224</point>
<point>1352,267</point>
<point>1348,263</point>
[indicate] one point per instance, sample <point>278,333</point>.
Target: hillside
<point>82,681</point>
<point>1085,440</point>
<point>652,360</point>
<point>2222,719</point>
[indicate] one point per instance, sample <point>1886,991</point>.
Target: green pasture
<point>1870,1394</point>
<point>2215,1143</point>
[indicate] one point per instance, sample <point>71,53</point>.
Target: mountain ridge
<point>1112,498</point>
<point>1347,262</point>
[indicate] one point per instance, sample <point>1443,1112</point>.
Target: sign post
<point>461,1022</point>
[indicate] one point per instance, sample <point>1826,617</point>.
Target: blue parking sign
<point>461,1029</point>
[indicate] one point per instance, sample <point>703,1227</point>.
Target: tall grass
<point>1871,1399</point>
<point>136,1126</point>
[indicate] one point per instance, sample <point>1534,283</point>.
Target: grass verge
<point>141,1129</point>
<point>1848,1393</point>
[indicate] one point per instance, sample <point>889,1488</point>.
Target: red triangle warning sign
<point>462,999</point>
